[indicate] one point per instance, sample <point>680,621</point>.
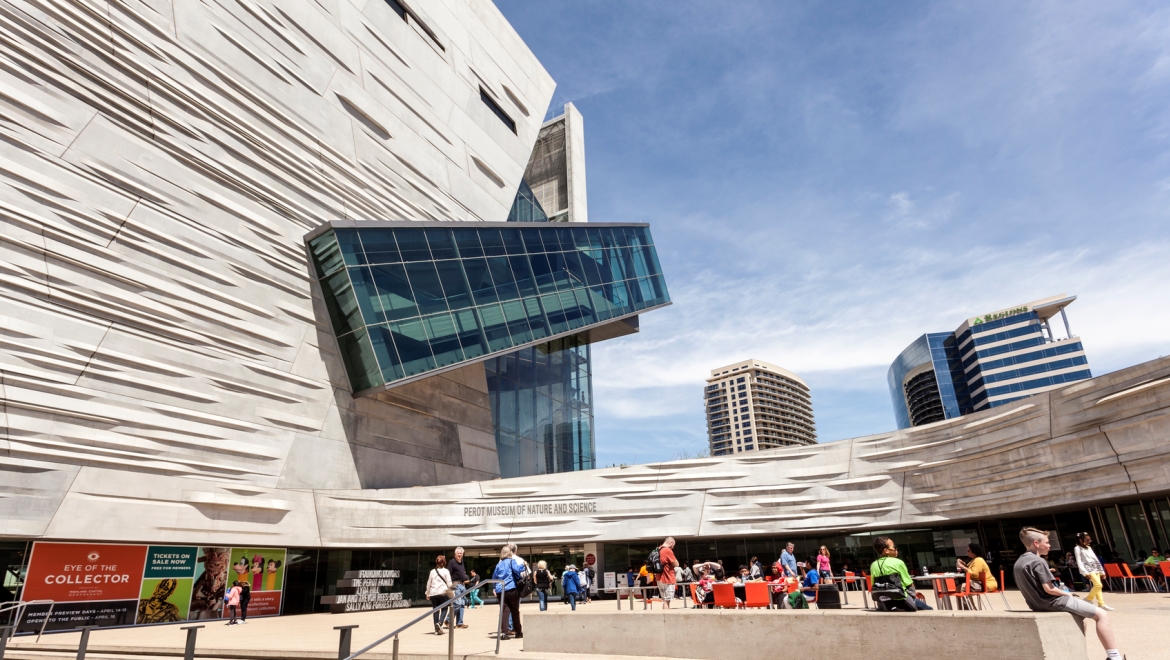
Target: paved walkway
<point>1140,622</point>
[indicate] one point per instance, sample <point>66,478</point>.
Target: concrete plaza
<point>1138,620</point>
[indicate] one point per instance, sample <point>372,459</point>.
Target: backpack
<point>654,562</point>
<point>797,601</point>
<point>890,596</point>
<point>523,581</point>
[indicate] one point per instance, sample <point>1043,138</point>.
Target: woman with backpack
<point>544,581</point>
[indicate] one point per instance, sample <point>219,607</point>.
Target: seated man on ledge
<point>1035,583</point>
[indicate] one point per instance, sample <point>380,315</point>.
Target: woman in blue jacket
<point>571,584</point>
<point>512,573</point>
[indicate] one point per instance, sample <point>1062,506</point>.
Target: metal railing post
<point>48,615</point>
<point>395,647</point>
<point>189,652</point>
<point>451,632</point>
<point>500,622</point>
<point>5,633</point>
<point>343,643</point>
<point>84,642</point>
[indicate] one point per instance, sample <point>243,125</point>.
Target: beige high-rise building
<point>753,405</point>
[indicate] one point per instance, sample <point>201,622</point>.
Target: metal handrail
<point>21,605</point>
<point>451,640</point>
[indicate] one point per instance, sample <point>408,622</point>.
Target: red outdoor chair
<point>1147,580</point>
<point>758,595</point>
<point>725,596</point>
<point>1112,572</point>
<point>695,596</point>
<point>1164,566</point>
<point>997,590</point>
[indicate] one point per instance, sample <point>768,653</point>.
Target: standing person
<point>757,571</point>
<point>459,581</point>
<point>543,583</point>
<point>511,572</point>
<point>438,584</point>
<point>232,598</point>
<point>245,596</point>
<point>1090,567</point>
<point>589,576</point>
<point>788,560</point>
<point>666,579</point>
<point>572,585</point>
<point>473,598</point>
<point>823,565</point>
<point>1034,581</point>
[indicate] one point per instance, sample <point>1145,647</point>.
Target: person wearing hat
<point>572,585</point>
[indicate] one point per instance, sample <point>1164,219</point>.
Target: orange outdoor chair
<point>1146,579</point>
<point>1112,572</point>
<point>695,595</point>
<point>997,590</point>
<point>725,596</point>
<point>1164,566</point>
<point>758,595</point>
<point>971,595</point>
<point>847,582</point>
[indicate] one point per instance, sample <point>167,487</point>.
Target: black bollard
<point>343,645</point>
<point>84,641</point>
<point>5,633</point>
<point>189,653</point>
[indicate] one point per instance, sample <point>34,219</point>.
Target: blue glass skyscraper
<point>988,361</point>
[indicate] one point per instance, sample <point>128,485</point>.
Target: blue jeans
<point>542,595</point>
<point>573,600</point>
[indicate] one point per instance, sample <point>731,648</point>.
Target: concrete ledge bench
<point>841,635</point>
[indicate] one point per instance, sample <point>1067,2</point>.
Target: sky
<point>827,181</point>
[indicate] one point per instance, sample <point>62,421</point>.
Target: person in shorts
<point>666,579</point>
<point>1034,580</point>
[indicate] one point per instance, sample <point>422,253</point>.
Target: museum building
<point>296,289</point>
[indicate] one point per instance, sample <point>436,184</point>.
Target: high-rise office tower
<point>753,405</point>
<point>988,361</point>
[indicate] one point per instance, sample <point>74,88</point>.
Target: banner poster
<point>263,570</point>
<point>106,584</point>
<point>90,584</point>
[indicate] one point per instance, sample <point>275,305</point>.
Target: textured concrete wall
<point>750,635</point>
<point>164,355</point>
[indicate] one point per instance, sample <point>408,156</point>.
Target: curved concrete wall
<point>164,355</point>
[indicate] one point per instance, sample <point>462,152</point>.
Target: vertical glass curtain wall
<point>526,208</point>
<point>541,398</point>
<point>406,299</point>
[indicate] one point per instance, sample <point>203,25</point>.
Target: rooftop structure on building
<point>990,360</point>
<point>753,406</point>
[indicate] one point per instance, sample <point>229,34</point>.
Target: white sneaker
<point>1107,608</point>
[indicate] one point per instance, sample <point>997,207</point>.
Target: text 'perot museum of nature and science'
<point>301,297</point>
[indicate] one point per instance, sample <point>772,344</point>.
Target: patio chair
<point>725,596</point>
<point>1112,572</point>
<point>758,595</point>
<point>1147,580</point>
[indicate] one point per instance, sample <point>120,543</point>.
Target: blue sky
<point>827,181</point>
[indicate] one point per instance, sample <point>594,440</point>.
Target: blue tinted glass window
<point>493,242</point>
<point>351,248</point>
<point>412,244</point>
<point>468,244</point>
<point>428,292</point>
<point>441,244</point>
<point>380,248</point>
<point>394,292</point>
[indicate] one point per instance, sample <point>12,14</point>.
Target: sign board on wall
<point>107,584</point>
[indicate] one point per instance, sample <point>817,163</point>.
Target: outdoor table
<point>937,580</point>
